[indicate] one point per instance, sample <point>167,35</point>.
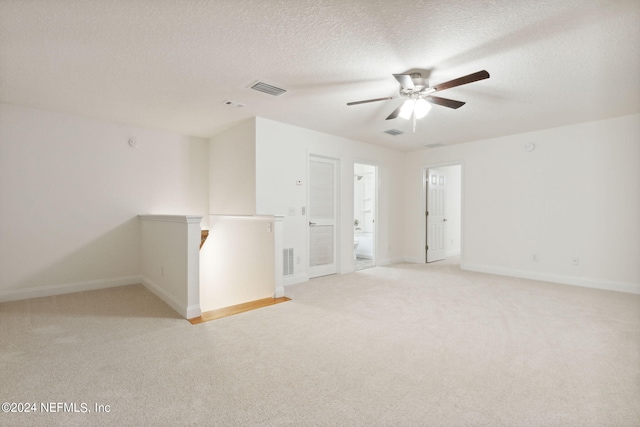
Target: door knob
<point>444,220</point>
<point>311,224</point>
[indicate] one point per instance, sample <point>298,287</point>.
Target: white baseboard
<point>413,260</point>
<point>389,261</point>
<point>421,260</point>
<point>609,285</point>
<point>193,311</point>
<point>67,288</point>
<point>188,312</point>
<point>288,281</point>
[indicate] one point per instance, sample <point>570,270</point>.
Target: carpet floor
<point>403,345</point>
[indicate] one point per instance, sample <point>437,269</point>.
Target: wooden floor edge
<point>236,309</point>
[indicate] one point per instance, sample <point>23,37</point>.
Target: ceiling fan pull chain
<point>414,121</point>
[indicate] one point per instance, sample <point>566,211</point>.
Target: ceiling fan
<point>418,94</point>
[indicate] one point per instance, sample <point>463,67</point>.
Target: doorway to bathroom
<point>364,215</point>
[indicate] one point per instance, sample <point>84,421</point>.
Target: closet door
<point>322,216</point>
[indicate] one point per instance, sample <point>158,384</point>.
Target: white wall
<point>237,261</point>
<point>232,166</point>
<point>71,189</point>
<point>576,195</point>
<point>281,159</point>
<point>170,264</point>
<point>70,192</point>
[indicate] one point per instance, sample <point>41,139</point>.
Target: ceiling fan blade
<point>395,112</point>
<point>405,81</point>
<point>444,102</point>
<point>480,75</point>
<point>372,100</point>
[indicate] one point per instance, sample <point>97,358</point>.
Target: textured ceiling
<point>170,64</point>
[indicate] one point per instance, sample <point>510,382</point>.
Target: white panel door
<point>435,215</point>
<point>322,216</point>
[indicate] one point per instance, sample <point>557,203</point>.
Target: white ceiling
<point>170,64</point>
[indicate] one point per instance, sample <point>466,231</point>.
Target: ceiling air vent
<point>394,132</point>
<point>268,89</point>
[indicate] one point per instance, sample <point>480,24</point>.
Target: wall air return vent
<point>268,89</point>
<point>394,132</point>
<point>287,259</point>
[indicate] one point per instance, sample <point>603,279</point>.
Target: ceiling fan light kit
<point>406,109</point>
<point>421,108</point>
<point>417,94</point>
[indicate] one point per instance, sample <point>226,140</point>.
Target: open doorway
<point>364,216</point>
<point>443,208</point>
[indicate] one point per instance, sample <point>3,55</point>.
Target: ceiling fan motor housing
<point>419,83</point>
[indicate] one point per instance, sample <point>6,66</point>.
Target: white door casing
<point>366,210</point>
<point>323,216</point>
<point>369,204</point>
<point>435,215</point>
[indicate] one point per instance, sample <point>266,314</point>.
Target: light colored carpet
<point>406,345</point>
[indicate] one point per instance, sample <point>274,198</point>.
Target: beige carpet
<point>406,345</point>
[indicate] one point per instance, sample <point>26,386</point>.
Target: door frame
<point>337,237</point>
<point>376,169</point>
<point>423,205</point>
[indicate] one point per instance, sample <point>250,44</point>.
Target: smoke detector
<point>233,104</point>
